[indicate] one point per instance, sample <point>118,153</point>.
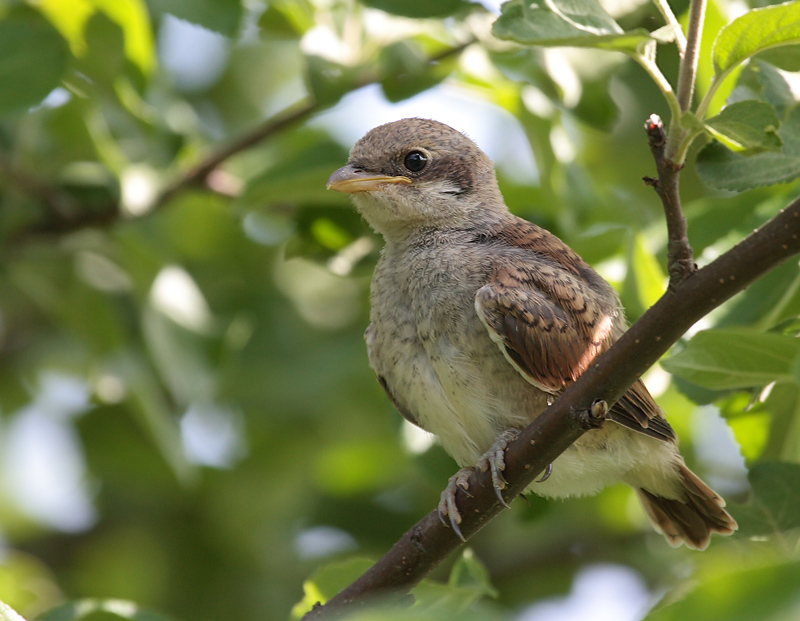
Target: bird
<point>480,318</point>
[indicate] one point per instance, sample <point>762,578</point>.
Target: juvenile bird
<point>480,318</point>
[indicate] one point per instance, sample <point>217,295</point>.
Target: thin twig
<point>688,69</point>
<point>429,541</point>
<point>680,259</point>
<point>272,126</point>
<point>290,117</point>
<point>61,220</point>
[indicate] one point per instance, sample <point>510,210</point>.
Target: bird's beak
<point>349,179</point>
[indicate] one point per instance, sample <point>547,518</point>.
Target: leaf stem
<point>652,69</point>
<point>669,17</point>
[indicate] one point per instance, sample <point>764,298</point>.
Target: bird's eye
<point>415,161</point>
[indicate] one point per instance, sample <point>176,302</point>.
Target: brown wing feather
<point>637,410</point>
<point>551,337</point>
<point>552,315</point>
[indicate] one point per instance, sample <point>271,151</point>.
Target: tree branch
<point>680,258</point>
<point>283,120</point>
<point>429,541</point>
<point>61,220</point>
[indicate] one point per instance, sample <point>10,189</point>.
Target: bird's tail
<point>692,519</point>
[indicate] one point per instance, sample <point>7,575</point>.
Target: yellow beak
<point>348,179</point>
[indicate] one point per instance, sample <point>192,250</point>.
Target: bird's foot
<point>492,460</point>
<point>495,460</point>
<point>447,502</point>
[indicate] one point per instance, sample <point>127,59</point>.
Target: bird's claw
<point>547,472</point>
<point>492,460</point>
<point>495,460</point>
<point>447,502</point>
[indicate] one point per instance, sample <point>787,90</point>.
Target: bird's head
<point>418,174</point>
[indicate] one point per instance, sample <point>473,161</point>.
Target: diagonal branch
<point>286,119</point>
<point>429,541</point>
<point>61,220</point>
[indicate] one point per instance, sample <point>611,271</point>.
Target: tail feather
<point>691,519</point>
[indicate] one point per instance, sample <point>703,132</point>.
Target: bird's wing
<point>550,325</point>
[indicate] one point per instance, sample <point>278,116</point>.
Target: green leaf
<point>786,58</point>
<point>735,358</point>
<point>736,588</point>
<point>222,16</point>
<point>429,8</point>
<point>298,176</point>
<point>328,580</point>
<point>130,15</point>
<point>329,81</point>
<point>406,71</point>
<point>645,281</point>
<point>575,23</point>
<point>287,19</point>
<point>719,167</point>
<point>756,31</point>
<point>783,406</point>
<point>761,81</point>
<point>775,505</point>
<point>749,124</point>
<point>33,57</point>
<point>467,585</point>
<point>470,573</point>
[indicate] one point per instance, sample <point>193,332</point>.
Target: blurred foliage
<point>188,423</point>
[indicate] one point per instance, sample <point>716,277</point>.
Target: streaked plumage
<point>479,318</point>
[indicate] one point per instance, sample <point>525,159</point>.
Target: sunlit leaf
<point>578,23</point>
<point>735,358</point>
<point>130,15</point>
<point>288,19</point>
<point>328,580</point>
<point>756,31</point>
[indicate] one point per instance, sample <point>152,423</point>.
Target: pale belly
<point>442,368</point>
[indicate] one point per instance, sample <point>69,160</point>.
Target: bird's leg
<point>447,501</point>
<point>493,460</point>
